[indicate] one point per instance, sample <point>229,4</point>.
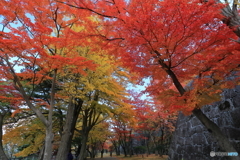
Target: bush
<point>140,149</point>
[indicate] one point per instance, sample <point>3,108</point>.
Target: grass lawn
<point>144,157</point>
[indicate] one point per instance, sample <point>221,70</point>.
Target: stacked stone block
<point>192,141</point>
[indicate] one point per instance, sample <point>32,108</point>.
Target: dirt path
<point>105,158</point>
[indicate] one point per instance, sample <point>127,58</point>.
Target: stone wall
<point>192,141</point>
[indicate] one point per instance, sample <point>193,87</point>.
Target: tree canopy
<point>69,62</point>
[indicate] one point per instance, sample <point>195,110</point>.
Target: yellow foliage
<point>107,79</point>
<point>28,136</point>
<point>99,133</point>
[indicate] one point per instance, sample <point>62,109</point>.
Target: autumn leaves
<point>79,54</point>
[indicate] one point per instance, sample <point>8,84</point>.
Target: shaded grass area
<point>143,157</point>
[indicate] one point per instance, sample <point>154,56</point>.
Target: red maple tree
<point>174,43</point>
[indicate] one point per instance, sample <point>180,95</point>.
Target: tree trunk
<point>46,121</point>
<point>116,147</point>
<point>48,143</point>
<point>118,150</point>
<point>161,142</point>
<point>40,156</point>
<point>156,151</point>
<point>222,140</point>
<point>89,119</point>
<point>49,133</point>
<point>66,136</point>
<point>2,153</point>
<point>83,146</point>
<point>68,129</point>
<point>61,121</point>
<point>102,151</point>
<point>147,145</point>
<point>78,149</point>
<point>90,153</point>
<point>124,151</point>
<point>94,151</point>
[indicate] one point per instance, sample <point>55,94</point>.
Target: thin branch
<point>91,10</point>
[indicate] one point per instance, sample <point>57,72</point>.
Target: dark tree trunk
<point>40,156</point>
<point>222,140</point>
<point>82,154</point>
<point>78,149</point>
<point>90,153</point>
<point>2,153</point>
<point>124,151</point>
<point>102,151</point>
<point>90,118</point>
<point>61,121</point>
<point>162,142</point>
<point>118,151</point>
<point>216,132</point>
<point>147,145</point>
<point>94,150</point>
<point>68,129</point>
<point>116,147</point>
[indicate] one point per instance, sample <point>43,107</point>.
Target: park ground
<point>134,157</point>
